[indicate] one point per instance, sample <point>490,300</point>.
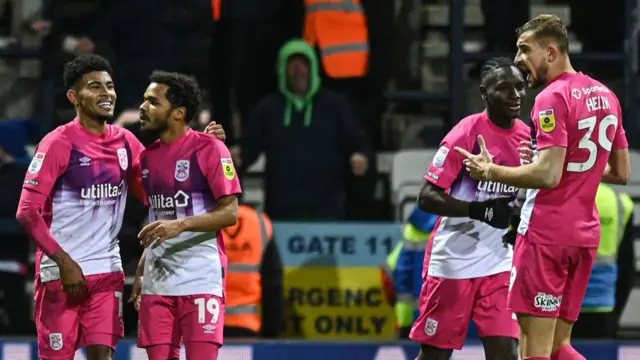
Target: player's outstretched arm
<point>618,170</point>
<point>544,173</point>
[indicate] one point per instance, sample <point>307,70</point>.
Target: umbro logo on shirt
<point>85,161</point>
<point>145,173</point>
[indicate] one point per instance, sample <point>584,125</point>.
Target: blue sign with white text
<point>336,244</point>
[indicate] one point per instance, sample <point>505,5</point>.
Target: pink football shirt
<point>461,248</point>
<point>86,177</point>
<point>185,178</point>
<point>582,115</point>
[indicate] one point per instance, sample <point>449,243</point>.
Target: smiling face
<point>95,95</point>
<point>504,90</point>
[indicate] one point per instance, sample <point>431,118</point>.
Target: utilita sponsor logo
<point>496,187</point>
<point>102,194</point>
<point>166,205</point>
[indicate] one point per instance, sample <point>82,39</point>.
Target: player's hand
<point>526,152</point>
<point>216,130</point>
<point>495,212</point>
<point>510,237</point>
<point>359,163</point>
<point>136,290</point>
<point>73,282</point>
<point>480,165</point>
<point>160,231</point>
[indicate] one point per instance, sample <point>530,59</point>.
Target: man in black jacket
<point>311,138</point>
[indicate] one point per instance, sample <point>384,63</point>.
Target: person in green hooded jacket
<point>311,138</point>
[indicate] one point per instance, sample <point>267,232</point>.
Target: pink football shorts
<point>447,307</point>
<point>64,325</point>
<point>196,320</point>
<point>549,280</point>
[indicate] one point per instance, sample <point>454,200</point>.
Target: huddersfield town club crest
<point>123,159</point>
<point>182,170</point>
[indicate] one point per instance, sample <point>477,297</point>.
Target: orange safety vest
<point>216,6</point>
<point>245,243</point>
<point>339,29</point>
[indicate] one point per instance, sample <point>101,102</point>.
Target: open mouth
<point>106,105</point>
<point>526,74</point>
<point>514,107</point>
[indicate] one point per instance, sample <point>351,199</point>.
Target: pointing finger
<point>482,145</point>
<point>463,152</point>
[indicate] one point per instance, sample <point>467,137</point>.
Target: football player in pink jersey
<point>192,188</point>
<point>466,268</point>
<point>72,205</point>
<point>580,141</point>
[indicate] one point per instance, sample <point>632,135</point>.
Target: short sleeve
<point>49,162</point>
<point>549,116</point>
<point>218,168</point>
<point>447,163</point>
<point>620,137</point>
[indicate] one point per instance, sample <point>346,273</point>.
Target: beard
<point>540,78</point>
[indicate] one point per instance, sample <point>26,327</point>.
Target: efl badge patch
<point>441,156</point>
<point>36,162</point>
<point>227,167</point>
<point>547,120</point>
<point>182,170</point>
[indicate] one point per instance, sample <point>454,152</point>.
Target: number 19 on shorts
<point>210,307</point>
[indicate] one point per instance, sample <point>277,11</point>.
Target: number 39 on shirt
<point>586,143</point>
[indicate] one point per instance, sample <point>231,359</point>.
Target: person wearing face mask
<point>310,137</point>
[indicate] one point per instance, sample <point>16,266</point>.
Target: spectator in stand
<point>255,289</point>
<point>239,79</point>
<point>310,137</point>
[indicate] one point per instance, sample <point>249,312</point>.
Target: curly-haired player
<point>72,205</point>
<point>192,190</point>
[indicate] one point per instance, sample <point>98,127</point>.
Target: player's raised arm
<point>550,115</point>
